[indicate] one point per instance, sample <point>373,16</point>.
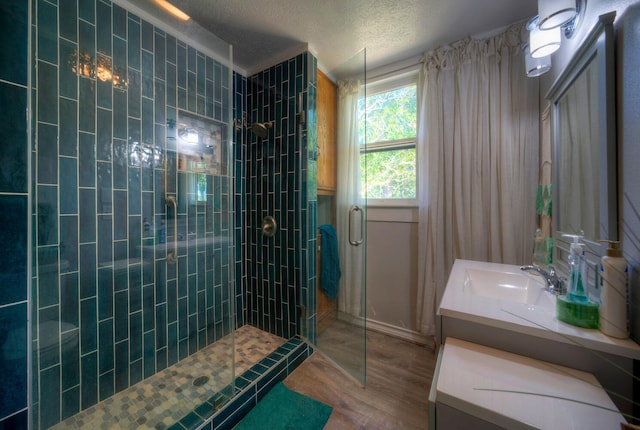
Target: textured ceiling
<point>264,32</point>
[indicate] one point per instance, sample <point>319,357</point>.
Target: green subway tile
<point>70,400</point>
<point>50,396</point>
<point>68,69</point>
<point>47,172</point>
<point>15,148</point>
<point>182,65</point>
<point>87,157</point>
<point>87,105</point>
<point>171,85</point>
<point>135,288</point>
<point>14,22</point>
<point>121,314</point>
<point>68,13</point>
<point>119,16</point>
<point>13,363</point>
<point>104,135</point>
<point>103,28</point>
<point>147,36</point>
<point>13,259</point>
<point>47,23</point>
<point>47,93</point>
<point>105,293</point>
<point>119,114</point>
<point>121,366</point>
<point>49,337</point>
<point>171,49</point>
<point>134,93</point>
<point>159,54</point>
<point>135,372</point>
<point>69,243</point>
<point>106,385</point>
<point>89,375</point>
<point>68,185</point>
<point>105,240</point>
<point>47,215</point>
<point>88,326</point>
<point>87,270</point>
<point>160,105</point>
<point>147,74</point>
<point>87,11</point>
<point>149,356</point>
<point>87,211</point>
<point>104,87</point>
<point>106,346</point>
<point>86,45</point>
<point>68,130</point>
<point>133,42</point>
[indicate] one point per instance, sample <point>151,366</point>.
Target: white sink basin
<point>506,286</point>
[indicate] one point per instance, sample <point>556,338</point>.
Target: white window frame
<point>389,82</point>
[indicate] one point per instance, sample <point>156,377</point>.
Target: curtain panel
<point>478,150</point>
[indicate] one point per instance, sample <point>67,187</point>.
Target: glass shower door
<point>343,339</point>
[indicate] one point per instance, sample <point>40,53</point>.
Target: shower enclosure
<point>133,221</point>
<point>151,266</point>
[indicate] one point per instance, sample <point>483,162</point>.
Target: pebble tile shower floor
<point>163,399</point>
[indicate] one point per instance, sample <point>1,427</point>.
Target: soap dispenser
<point>539,250</point>
<point>614,282</point>
<point>575,308</point>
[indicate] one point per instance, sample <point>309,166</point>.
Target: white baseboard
<point>389,330</point>
<point>399,332</point>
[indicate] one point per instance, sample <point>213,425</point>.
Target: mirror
<point>584,142</point>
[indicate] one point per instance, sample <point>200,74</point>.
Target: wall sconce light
<point>543,42</point>
<point>554,13</point>
<point>535,66</point>
<point>555,17</point>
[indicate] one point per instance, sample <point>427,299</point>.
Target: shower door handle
<point>172,257</point>
<point>352,210</point>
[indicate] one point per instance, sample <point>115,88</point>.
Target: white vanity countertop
<point>524,318</point>
<point>513,391</point>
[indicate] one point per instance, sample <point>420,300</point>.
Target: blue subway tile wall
<point>108,309</point>
<point>14,214</point>
<point>279,283</point>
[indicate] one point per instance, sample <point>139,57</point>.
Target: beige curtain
<point>350,290</point>
<point>478,161</point>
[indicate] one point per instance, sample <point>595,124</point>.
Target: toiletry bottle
<point>575,307</point>
<point>539,249</point>
<point>614,283</point>
<point>576,291</point>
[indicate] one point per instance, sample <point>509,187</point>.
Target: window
<point>388,160</point>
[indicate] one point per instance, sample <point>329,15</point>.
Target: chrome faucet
<point>555,283</point>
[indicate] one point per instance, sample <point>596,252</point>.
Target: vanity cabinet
<point>478,387</point>
<point>473,310</point>
<point>326,106</point>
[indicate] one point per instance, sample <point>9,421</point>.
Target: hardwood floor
<point>399,375</point>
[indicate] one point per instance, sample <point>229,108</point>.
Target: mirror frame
<point>597,47</point>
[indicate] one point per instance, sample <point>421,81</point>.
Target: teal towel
<point>330,273</point>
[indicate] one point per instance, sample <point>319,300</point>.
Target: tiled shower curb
<point>251,387</point>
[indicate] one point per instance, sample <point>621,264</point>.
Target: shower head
<point>261,129</point>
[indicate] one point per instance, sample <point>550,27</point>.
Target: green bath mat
<point>283,409</point>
